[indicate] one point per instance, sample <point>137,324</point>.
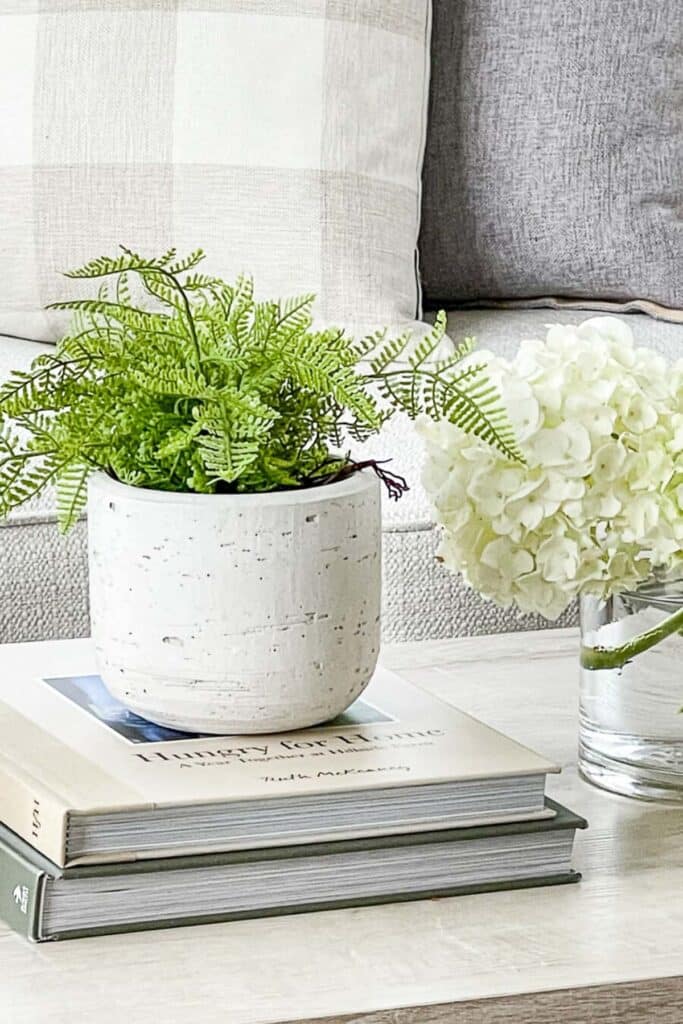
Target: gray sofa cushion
<point>554,151</point>
<point>44,576</point>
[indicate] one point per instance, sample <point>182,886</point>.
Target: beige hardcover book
<point>83,780</point>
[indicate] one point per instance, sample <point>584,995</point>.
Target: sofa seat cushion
<point>44,575</point>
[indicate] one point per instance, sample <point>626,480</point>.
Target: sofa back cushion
<point>553,164</point>
<point>283,136</point>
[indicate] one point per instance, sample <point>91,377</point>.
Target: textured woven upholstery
<point>44,576</point>
<point>283,136</point>
<point>553,162</point>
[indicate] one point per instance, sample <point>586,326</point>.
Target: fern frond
<point>389,352</point>
<point>218,293</point>
<point>402,391</point>
<point>188,263</point>
<point>370,343</point>
<point>243,295</point>
<point>167,381</point>
<point>265,321</point>
<point>426,348</point>
<point>362,432</point>
<point>224,458</point>
<point>165,259</point>
<point>179,440</point>
<point>156,284</point>
<point>72,493</point>
<point>123,296</point>
<point>462,350</point>
<point>105,266</point>
<point>243,327</point>
<point>24,474</point>
<point>201,282</point>
<point>133,317</point>
<point>294,315</point>
<point>43,386</point>
<point>321,372</point>
<point>472,403</point>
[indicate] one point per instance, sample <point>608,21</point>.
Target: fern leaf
<point>104,266</point>
<point>72,493</point>
<point>473,404</point>
<point>403,392</point>
<point>389,352</point>
<point>243,296</point>
<point>243,327</point>
<point>426,348</point>
<point>265,321</point>
<point>217,291</point>
<point>188,263</point>
<point>294,315</point>
<point>362,432</point>
<point>43,386</point>
<point>370,343</point>
<point>131,316</point>
<point>179,440</point>
<point>201,282</point>
<point>123,296</point>
<point>224,458</point>
<point>168,256</point>
<point>320,372</point>
<point>155,379</point>
<point>462,350</point>
<point>24,474</point>
<point>156,284</point>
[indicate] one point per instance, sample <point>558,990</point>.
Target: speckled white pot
<point>236,613</point>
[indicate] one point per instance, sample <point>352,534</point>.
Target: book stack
<point>111,823</point>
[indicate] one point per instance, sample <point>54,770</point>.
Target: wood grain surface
<point>648,1002</point>
<point>605,950</point>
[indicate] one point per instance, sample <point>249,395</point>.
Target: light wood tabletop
<point>609,949</point>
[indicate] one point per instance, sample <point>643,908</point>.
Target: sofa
<point>45,575</point>
<point>549,193</point>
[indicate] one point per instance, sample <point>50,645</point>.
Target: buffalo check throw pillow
<point>283,136</point>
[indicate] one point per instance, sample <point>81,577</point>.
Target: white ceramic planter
<point>236,613</point>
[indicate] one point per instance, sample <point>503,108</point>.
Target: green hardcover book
<point>45,902</point>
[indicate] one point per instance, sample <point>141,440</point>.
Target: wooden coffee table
<point>607,950</point>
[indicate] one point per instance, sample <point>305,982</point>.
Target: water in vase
<point>631,731</point>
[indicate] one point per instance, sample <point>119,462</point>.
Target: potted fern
<point>234,546</point>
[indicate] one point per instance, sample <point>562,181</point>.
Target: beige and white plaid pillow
<point>283,136</point>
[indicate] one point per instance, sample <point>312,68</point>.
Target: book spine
<point>21,893</point>
<point>29,808</point>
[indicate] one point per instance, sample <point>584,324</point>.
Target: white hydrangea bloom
<point>599,503</point>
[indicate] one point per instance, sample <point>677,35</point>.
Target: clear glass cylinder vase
<point>631,725</point>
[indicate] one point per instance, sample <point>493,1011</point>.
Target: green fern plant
<point>210,391</point>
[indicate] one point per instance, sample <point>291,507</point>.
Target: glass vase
<point>631,725</point>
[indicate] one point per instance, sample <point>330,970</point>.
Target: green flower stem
<point>597,658</point>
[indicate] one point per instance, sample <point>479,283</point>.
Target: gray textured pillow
<point>553,163</point>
